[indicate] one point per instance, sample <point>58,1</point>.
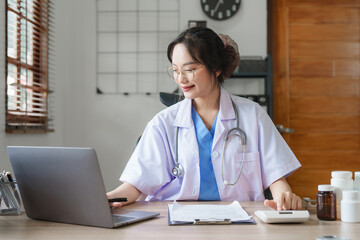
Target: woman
<point>182,153</point>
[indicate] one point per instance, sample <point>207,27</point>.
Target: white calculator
<point>272,216</point>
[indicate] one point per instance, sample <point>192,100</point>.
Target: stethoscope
<point>178,170</point>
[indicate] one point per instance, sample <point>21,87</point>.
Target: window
<point>27,64</point>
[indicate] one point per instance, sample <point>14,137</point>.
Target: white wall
<point>112,123</point>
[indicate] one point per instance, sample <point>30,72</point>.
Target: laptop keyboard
<point>119,218</point>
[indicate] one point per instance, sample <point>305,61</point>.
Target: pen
<point>4,189</point>
<point>12,184</point>
<point>122,199</point>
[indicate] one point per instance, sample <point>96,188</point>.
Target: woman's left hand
<point>285,201</point>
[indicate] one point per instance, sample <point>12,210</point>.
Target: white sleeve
<point>149,166</point>
<point>277,159</point>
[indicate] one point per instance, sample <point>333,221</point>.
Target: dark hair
<point>207,48</point>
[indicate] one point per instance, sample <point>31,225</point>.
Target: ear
<point>217,73</point>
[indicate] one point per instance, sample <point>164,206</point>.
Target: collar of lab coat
<point>226,111</point>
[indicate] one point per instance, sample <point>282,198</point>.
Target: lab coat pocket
<point>250,159</point>
<point>250,169</point>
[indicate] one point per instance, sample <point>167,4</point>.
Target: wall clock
<point>220,9</point>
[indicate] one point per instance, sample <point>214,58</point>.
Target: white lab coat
<point>267,156</point>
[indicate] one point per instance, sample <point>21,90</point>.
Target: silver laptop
<point>65,185</point>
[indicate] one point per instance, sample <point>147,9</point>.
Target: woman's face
<point>195,80</point>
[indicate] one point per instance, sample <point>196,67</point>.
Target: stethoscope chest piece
<point>177,171</point>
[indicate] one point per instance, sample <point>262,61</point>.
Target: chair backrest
<point>169,99</point>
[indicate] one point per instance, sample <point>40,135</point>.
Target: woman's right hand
<point>116,204</point>
<point>125,190</point>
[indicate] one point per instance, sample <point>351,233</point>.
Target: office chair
<point>169,99</point>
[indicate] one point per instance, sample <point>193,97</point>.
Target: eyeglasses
<point>187,72</point>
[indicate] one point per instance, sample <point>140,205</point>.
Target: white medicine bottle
<point>341,181</point>
<point>350,206</point>
<point>357,181</point>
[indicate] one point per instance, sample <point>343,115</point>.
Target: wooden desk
<point>21,227</point>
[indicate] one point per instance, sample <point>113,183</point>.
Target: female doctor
<point>211,145</point>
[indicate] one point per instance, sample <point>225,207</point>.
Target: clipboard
<point>211,221</point>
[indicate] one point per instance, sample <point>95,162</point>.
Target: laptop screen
<point>61,184</point>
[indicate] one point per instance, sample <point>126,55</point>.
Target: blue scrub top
<point>208,186</point>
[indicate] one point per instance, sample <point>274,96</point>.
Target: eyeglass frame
<point>171,69</point>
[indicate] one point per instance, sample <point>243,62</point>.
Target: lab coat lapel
<point>226,112</point>
<point>183,116</point>
<point>183,120</point>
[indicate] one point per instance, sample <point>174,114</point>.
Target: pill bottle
<point>341,181</point>
<point>350,206</point>
<point>326,203</point>
<point>357,181</point>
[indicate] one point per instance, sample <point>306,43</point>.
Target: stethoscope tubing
<point>178,170</point>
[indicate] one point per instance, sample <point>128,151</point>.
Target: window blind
<point>28,90</point>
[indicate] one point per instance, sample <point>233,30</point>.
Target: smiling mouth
<point>187,88</point>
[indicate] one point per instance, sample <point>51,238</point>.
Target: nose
<point>182,78</point>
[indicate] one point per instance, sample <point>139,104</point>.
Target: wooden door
<point>316,54</point>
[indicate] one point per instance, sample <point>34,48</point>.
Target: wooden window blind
<point>28,25</point>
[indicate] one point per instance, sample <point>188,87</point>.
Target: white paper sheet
<point>187,213</point>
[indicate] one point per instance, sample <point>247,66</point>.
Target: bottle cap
<point>351,195</point>
<point>341,174</point>
<point>325,188</point>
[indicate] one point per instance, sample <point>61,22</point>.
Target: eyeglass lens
<point>186,73</point>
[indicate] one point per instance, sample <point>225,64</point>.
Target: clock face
<point>220,9</point>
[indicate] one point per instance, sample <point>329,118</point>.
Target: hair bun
<point>232,55</point>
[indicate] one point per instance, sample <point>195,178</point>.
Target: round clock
<point>220,9</point>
